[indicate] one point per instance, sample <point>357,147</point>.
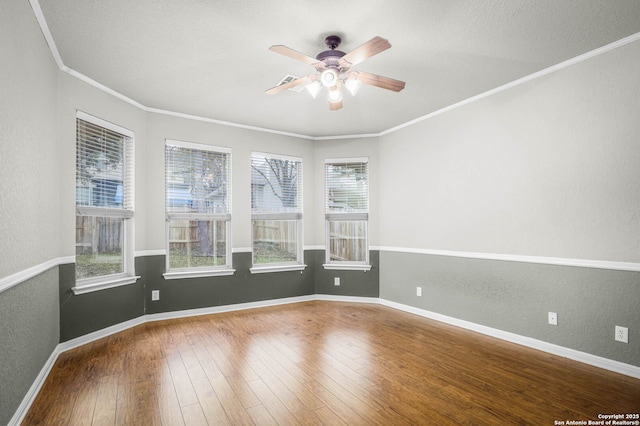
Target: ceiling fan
<point>334,70</point>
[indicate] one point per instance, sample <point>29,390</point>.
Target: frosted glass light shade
<point>314,88</point>
<point>353,85</point>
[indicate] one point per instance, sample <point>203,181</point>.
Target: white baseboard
<point>226,308</point>
<point>28,399</point>
<point>97,335</point>
<point>350,299</point>
<point>607,364</point>
<point>596,361</point>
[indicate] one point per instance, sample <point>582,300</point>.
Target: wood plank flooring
<point>318,363</point>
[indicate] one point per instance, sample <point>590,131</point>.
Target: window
<point>104,204</point>
<point>276,212</point>
<point>347,213</point>
<point>198,210</point>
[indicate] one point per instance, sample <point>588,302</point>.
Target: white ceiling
<point>210,58</point>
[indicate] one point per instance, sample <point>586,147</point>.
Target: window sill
<point>176,275</point>
<point>347,267</point>
<point>277,268</point>
<point>103,285</point>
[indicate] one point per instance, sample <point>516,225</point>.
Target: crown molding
<point>35,5</point>
<point>562,65</point>
<point>44,27</point>
<point>225,123</point>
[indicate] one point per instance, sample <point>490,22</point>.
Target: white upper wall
<point>28,142</point>
<point>548,168</point>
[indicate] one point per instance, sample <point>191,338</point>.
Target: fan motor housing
<point>330,57</point>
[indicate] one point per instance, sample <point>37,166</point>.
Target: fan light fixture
<point>333,70</point>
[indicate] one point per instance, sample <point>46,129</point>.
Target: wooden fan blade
<point>380,81</point>
<point>289,85</point>
<point>294,54</point>
<point>366,50</point>
<point>334,106</point>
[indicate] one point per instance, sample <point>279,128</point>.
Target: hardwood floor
<point>320,363</point>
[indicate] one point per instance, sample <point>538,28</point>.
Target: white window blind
<point>198,209</point>
<point>276,210</point>
<point>347,189</point>
<point>104,167</point>
<point>276,186</point>
<point>347,212</point>
<point>197,180</point>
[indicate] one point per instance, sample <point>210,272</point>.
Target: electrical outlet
<point>155,295</point>
<point>553,318</point>
<point>622,334</point>
<point>336,281</point>
<point>419,291</point>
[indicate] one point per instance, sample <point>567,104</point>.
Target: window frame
<point>348,265</point>
<point>200,271</point>
<point>127,214</point>
<point>298,216</point>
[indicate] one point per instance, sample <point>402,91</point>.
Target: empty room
<point>278,212</point>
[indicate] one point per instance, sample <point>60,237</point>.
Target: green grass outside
<point>91,265</point>
<point>177,261</point>
<point>270,254</point>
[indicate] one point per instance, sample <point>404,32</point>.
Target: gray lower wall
<point>94,311</point>
<point>29,333</point>
<point>86,313</point>
<point>352,283</point>
<point>241,287</point>
<point>516,297</point>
